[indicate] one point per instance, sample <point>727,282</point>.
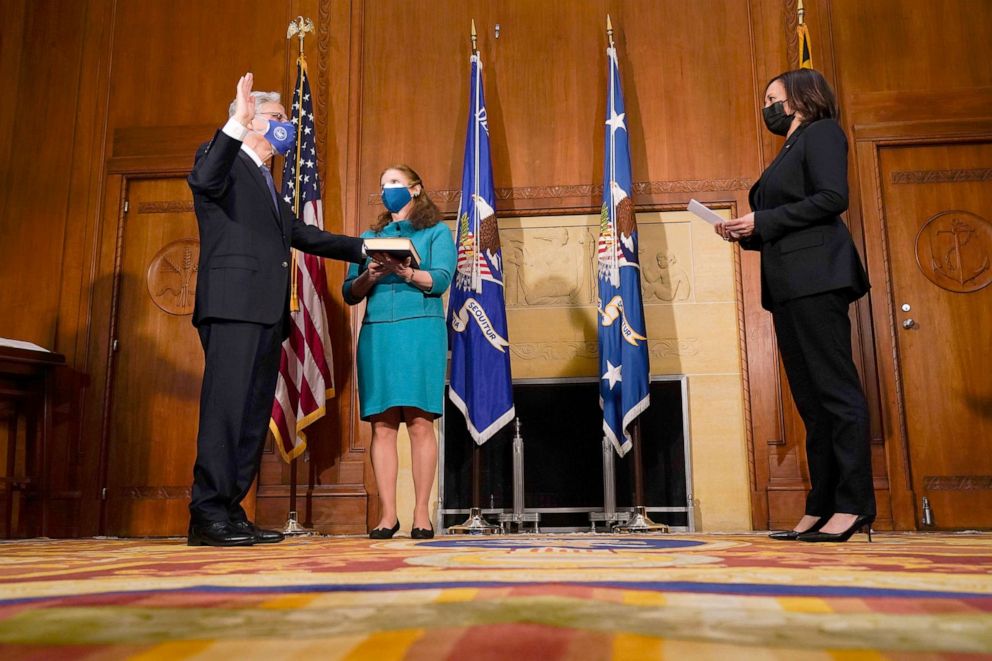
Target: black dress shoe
<point>217,533</point>
<point>384,533</point>
<point>260,535</point>
<point>790,535</point>
<point>422,533</point>
<point>862,522</point>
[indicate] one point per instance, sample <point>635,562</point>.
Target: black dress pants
<point>814,338</point>
<point>239,382</point>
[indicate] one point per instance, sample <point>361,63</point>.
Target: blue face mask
<point>281,135</point>
<point>395,197</point>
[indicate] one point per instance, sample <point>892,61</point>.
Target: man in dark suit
<point>242,310</point>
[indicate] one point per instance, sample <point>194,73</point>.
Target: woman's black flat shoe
<point>384,533</point>
<point>791,535</point>
<point>862,522</point>
<point>422,533</point>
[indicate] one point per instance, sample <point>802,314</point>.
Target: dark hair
<point>809,94</point>
<point>424,213</point>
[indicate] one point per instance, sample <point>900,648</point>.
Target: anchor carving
<point>952,263</point>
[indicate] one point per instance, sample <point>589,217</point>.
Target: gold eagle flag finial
<point>299,27</point>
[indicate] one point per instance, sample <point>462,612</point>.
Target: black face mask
<point>775,118</point>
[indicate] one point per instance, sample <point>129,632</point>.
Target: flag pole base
<point>293,527</point>
<point>640,522</point>
<point>610,520</point>
<point>508,520</point>
<point>475,524</point>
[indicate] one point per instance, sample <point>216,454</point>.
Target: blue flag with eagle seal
<point>623,345</point>
<point>480,386</point>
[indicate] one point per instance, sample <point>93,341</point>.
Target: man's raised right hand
<point>244,108</point>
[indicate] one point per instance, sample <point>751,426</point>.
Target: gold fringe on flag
<point>805,50</point>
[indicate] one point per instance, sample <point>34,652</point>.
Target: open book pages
<point>21,344</point>
<point>397,247</point>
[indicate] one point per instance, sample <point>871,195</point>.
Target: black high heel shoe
<point>384,533</point>
<point>422,533</point>
<point>792,535</point>
<point>863,521</point>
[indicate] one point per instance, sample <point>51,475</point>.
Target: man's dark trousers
<point>239,382</point>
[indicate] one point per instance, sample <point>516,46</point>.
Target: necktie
<point>271,184</point>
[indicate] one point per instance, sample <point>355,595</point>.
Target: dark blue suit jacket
<point>805,246</point>
<point>245,241</point>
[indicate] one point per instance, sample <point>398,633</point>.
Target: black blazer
<point>244,240</point>
<point>805,247</point>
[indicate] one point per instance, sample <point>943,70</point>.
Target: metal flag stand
<point>293,526</point>
<point>610,517</point>
<point>297,28</point>
<point>518,516</point>
<point>476,524</point>
<point>639,520</point>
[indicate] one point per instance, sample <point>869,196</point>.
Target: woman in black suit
<point>810,274</point>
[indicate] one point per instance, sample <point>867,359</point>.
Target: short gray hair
<point>260,98</point>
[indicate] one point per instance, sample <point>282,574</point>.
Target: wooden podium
<point>26,392</point>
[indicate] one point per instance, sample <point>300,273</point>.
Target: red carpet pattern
<point>923,596</point>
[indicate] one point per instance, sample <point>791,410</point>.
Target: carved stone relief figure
<point>664,280</point>
<point>549,268</point>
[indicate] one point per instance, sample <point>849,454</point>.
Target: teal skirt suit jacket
<point>403,343</point>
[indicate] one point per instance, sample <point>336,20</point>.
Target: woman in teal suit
<point>403,345</point>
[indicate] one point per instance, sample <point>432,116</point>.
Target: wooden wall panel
<point>545,94</point>
<point>38,157</point>
<point>912,46</point>
<point>192,55</point>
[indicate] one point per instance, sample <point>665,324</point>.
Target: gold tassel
<point>805,52</point>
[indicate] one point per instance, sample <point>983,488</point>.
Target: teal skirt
<point>402,363</point>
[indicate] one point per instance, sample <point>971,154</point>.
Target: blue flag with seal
<point>481,386</point>
<point>623,348</point>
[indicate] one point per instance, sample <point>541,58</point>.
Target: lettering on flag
<point>614,311</point>
<point>459,322</point>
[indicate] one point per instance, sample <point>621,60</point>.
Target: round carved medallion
<point>954,251</point>
<point>172,276</point>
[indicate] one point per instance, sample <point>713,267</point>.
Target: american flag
<point>305,377</point>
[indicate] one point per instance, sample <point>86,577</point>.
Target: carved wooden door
<point>937,206</point>
<point>157,363</point>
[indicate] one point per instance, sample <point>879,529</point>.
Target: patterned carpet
<point>923,596</point>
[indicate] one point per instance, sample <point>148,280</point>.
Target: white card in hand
<point>704,212</point>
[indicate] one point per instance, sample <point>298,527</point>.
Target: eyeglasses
<point>279,117</point>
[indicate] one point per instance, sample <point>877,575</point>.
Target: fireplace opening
<point>561,425</point>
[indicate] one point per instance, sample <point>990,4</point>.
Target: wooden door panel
<point>157,365</point>
<point>938,222</point>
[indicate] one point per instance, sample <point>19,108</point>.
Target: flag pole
<point>298,28</point>
<point>476,523</point>
<point>639,520</point>
<point>805,55</point>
